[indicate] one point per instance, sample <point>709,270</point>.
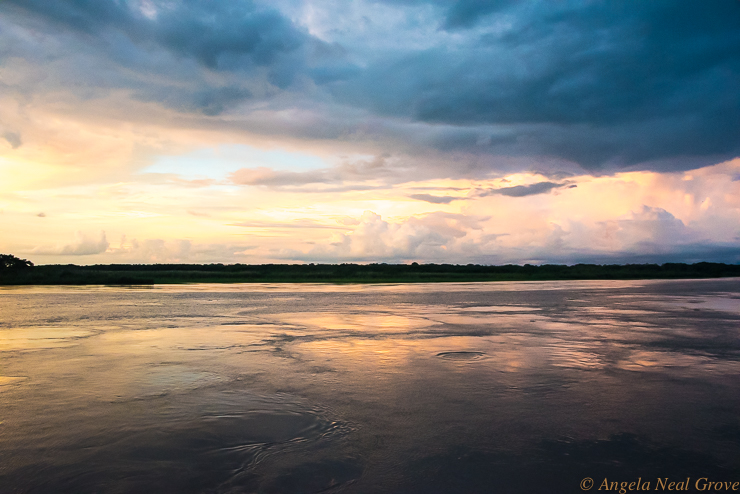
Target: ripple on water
<point>461,355</point>
<point>243,444</point>
<point>246,451</point>
<point>6,382</point>
<point>40,337</point>
<point>266,427</point>
<point>175,378</point>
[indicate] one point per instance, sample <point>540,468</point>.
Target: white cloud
<point>84,245</point>
<point>431,237</point>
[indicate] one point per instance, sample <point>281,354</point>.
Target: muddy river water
<point>420,388</point>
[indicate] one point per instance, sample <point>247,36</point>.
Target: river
<point>405,388</point>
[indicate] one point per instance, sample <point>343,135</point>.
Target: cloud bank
<point>84,245</point>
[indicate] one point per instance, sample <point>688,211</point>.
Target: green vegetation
<point>11,264</point>
<point>15,271</point>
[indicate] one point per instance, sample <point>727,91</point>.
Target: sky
<point>398,131</point>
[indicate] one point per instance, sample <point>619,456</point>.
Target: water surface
<point>423,388</point>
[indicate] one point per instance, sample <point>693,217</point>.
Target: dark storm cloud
<point>193,55</point>
<point>605,85</point>
<point>526,190</point>
<point>466,13</point>
<point>458,14</point>
<point>219,34</point>
<point>598,83</point>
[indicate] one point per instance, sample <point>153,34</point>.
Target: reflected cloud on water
<point>459,387</point>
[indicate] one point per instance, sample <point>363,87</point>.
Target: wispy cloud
<point>527,190</point>
<point>351,175</point>
<point>435,199</point>
<point>266,176</point>
<point>298,223</point>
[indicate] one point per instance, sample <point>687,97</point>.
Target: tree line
<point>15,271</point>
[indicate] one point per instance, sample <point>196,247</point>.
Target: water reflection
<point>505,387</point>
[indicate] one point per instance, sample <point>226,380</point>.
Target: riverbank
<point>143,274</point>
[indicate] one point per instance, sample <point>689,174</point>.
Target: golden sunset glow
<point>128,152</point>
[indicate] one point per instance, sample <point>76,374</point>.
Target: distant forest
<point>15,271</point>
